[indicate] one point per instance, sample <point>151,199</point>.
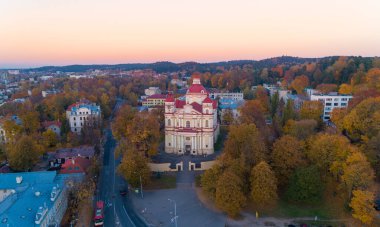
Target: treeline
<point>296,158</point>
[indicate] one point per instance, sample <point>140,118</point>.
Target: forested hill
<point>189,66</point>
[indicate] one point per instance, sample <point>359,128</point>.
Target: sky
<point>61,32</point>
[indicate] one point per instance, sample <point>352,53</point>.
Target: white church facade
<point>191,125</point>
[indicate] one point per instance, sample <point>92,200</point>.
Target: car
<point>123,192</point>
<point>291,225</point>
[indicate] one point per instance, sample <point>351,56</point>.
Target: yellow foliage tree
<point>263,184</point>
<point>362,204</point>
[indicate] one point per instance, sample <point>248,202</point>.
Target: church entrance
<point>187,149</point>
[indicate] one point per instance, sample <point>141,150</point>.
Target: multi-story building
<point>229,104</point>
<point>237,96</point>
<point>191,125</point>
<point>331,101</point>
<point>82,114</point>
<point>154,100</point>
<point>34,198</point>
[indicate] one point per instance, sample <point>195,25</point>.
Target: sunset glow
<point>46,32</point>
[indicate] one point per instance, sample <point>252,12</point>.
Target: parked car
<point>123,192</point>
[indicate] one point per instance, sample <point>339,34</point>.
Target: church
<point>191,125</point>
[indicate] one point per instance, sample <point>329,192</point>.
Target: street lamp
<point>141,190</point>
<point>175,212</point>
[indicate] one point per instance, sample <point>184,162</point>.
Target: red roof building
<point>75,165</point>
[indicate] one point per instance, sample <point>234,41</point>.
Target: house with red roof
<point>75,165</point>
<point>191,124</point>
<point>55,126</point>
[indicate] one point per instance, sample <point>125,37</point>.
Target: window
<point>206,111</point>
<point>343,104</point>
<point>170,144</point>
<point>75,124</point>
<point>206,123</point>
<point>80,118</point>
<point>169,123</point>
<point>344,99</point>
<point>187,124</point>
<point>336,104</point>
<point>187,138</point>
<point>328,104</point>
<point>74,118</point>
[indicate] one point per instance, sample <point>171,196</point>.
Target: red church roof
<point>197,88</point>
<point>207,100</point>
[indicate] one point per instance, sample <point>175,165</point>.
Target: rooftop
<point>27,193</point>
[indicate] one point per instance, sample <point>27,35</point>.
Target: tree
<point>373,78</point>
<point>228,195</point>
<point>144,133</point>
<point>289,112</point>
<point>261,95</point>
<point>227,116</point>
<point>300,83</point>
<point>24,154</point>
<point>364,119</point>
<point>30,122</point>
<point>123,118</point>
<point>133,166</point>
<point>329,152</point>
<point>345,89</point>
<point>327,88</point>
<point>362,204</point>
<point>287,155</point>
<point>305,185</point>
<point>337,116</point>
<point>244,141</point>
<point>253,112</point>
<point>302,129</point>
<point>49,138</point>
<point>357,173</point>
<point>209,180</point>
<point>274,104</point>
<point>312,110</point>
<point>263,184</point>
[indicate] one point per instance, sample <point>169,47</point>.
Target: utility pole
<point>175,212</point>
<point>142,195</point>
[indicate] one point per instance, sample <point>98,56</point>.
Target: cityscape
<point>191,114</point>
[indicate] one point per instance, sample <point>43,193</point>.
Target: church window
<point>187,124</point>
<point>169,122</point>
<point>206,111</point>
<point>206,124</point>
<point>170,144</point>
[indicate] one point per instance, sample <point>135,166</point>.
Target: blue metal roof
<point>229,103</point>
<point>34,191</point>
<point>91,107</point>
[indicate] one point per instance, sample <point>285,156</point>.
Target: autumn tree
<point>302,129</point>
<point>244,141</point>
<point>327,88</point>
<point>287,155</point>
<point>30,122</point>
<point>362,204</point>
<point>300,83</point>
<point>50,138</point>
<point>23,154</point>
<point>345,89</point>
<point>253,112</point>
<point>337,115</point>
<point>373,78</point>
<point>209,180</point>
<point>305,185</point>
<point>133,166</point>
<point>263,184</point>
<point>123,118</point>
<point>228,195</point>
<point>357,173</point>
<point>261,95</point>
<point>329,152</point>
<point>364,119</point>
<point>312,110</point>
<point>289,112</point>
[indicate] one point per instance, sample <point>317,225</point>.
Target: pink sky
<point>61,32</point>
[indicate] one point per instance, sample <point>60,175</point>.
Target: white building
<point>331,101</point>
<point>191,125</point>
<point>83,114</point>
<point>152,91</point>
<point>237,96</point>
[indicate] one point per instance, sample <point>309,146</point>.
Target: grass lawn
<point>162,182</point>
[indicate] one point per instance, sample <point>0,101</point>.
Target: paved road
<point>118,211</point>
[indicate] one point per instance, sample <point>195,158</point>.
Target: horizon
<point>44,32</point>
<point>180,62</point>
